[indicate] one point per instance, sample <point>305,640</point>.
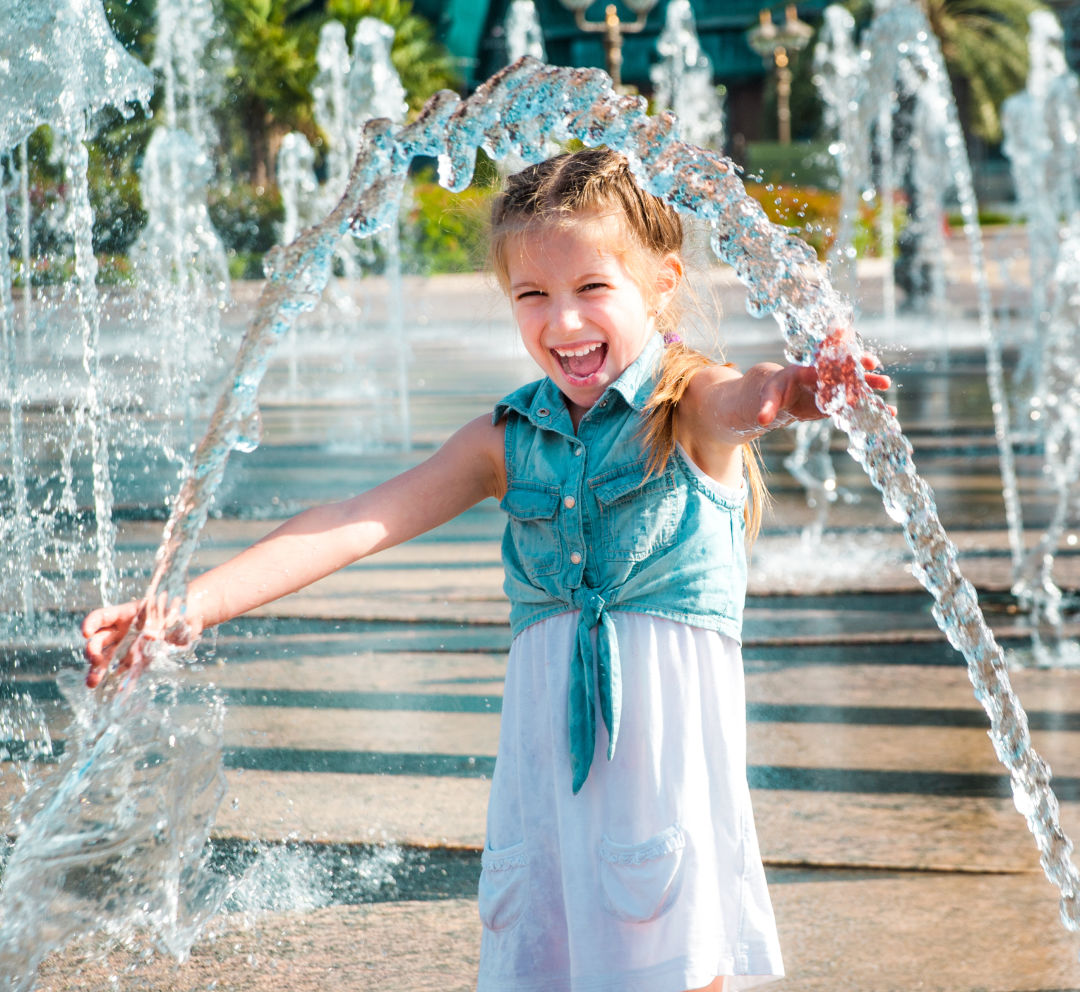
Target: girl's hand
<point>108,627</point>
<point>788,393</point>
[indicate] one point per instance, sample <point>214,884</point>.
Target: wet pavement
<point>363,713</point>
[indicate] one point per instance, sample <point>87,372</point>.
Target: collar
<point>542,404</point>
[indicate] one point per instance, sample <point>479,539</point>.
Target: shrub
<point>246,217</point>
<point>814,215</point>
<point>447,232</point>
<point>801,163</point>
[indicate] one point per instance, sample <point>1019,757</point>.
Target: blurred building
<point>473,31</point>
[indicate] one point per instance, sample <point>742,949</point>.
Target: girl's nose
<point>567,317</point>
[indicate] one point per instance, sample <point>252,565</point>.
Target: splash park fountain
<point>122,832</point>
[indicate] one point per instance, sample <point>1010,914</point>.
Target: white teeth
<point>577,352</point>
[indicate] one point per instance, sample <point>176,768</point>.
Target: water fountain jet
<point>1041,125</point>
<point>513,113</point>
<point>65,94</point>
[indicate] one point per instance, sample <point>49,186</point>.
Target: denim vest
<point>588,531</point>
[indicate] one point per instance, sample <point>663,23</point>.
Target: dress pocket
<point>504,886</point>
<point>641,881</point>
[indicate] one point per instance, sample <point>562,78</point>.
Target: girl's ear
<point>669,277</point>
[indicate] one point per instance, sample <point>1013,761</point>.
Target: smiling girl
<point>621,852</point>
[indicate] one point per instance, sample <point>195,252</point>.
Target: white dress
<point>650,879</point>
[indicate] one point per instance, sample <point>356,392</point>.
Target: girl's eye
<point>593,285</point>
<point>529,292</point>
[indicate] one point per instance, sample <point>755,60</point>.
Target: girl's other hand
<point>791,390</point>
<point>108,627</point>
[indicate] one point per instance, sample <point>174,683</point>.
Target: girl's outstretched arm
<point>723,409</point>
<point>311,545</point>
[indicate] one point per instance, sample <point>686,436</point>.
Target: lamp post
<point>613,29</point>
<point>773,44</point>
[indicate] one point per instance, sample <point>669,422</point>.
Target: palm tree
<point>273,44</point>
<point>984,44</point>
<point>268,79</point>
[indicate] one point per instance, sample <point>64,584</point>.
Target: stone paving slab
<point>328,807</point>
<point>933,833</point>
<point>795,827</point>
<point>946,751</point>
<point>879,932</point>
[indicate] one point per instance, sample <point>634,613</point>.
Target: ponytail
<point>678,367</point>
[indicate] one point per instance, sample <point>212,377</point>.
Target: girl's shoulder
<point>697,423</point>
<point>699,401</point>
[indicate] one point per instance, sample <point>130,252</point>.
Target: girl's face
<point>582,314</point>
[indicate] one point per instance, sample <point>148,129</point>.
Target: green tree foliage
<point>267,86</point>
<point>984,44</point>
<point>423,64</point>
<point>273,44</point>
<point>132,22</point>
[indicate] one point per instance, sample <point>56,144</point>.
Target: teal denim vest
<point>588,531</point>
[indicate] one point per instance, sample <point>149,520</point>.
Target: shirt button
<point>577,451</point>
<point>575,558</point>
<point>543,412</point>
<point>569,502</point>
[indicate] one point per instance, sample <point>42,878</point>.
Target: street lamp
<point>613,29</point>
<point>773,43</point>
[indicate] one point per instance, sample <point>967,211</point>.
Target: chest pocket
<point>531,507</point>
<point>638,517</point>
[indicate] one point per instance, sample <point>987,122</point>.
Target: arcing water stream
<point>514,112</point>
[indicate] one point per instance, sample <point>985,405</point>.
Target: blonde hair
<point>598,181</point>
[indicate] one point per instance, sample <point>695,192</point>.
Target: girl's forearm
<point>302,550</point>
<point>321,540</point>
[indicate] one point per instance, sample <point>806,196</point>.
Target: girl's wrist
<point>755,430</point>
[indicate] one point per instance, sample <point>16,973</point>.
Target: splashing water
<point>1040,126</point>
<point>523,33</point>
<point>348,92</point>
<point>900,53</point>
<point>837,66</point>
<point>94,73</point>
<point>683,79</point>
<point>514,112</point>
<point>1039,137</point>
<point>1060,428</point>
<point>116,838</point>
<point>178,256</point>
<point>837,70</point>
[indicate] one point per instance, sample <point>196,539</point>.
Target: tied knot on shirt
<point>604,661</point>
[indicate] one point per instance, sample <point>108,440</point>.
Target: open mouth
<point>584,362</point>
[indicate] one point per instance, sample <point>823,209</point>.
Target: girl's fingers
<point>770,404</point>
<point>102,642</point>
<point>874,376</point>
<point>104,616</point>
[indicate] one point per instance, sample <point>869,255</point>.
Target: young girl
<point>621,853</point>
